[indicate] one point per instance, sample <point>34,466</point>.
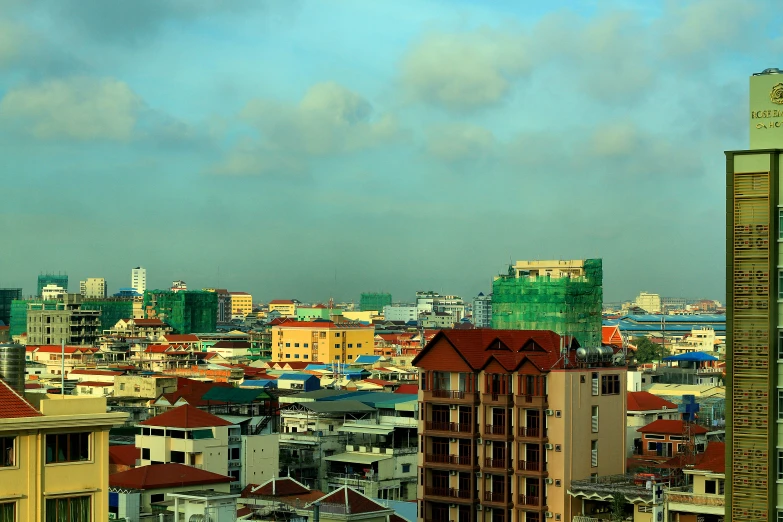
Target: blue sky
<point>320,149</point>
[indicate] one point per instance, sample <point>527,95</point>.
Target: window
<point>288,345</point>
<point>595,383</point>
<point>336,345</point>
<point>594,419</point>
<point>780,464</point>
<point>306,356</point>
<point>337,334</point>
<point>780,345</point>
<point>594,453</point>
<point>652,446</point>
<point>7,452</point>
<point>288,356</point>
<point>350,345</point>
<point>710,487</point>
<point>610,385</point>
<point>7,512</point>
<point>350,356</point>
<point>406,468</point>
<point>306,345</point>
<point>157,497</point>
<point>336,357</point>
<point>780,284</point>
<point>296,356</point>
<point>67,447</point>
<point>145,453</point>
<point>68,509</point>
<point>296,345</point>
<point>358,345</point>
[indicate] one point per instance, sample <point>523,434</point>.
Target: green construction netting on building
<point>112,310</point>
<point>185,311</point>
<point>18,323</point>
<point>374,301</point>
<point>567,306</point>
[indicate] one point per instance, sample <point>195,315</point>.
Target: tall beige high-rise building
<point>93,287</point>
<point>754,316</point>
<point>139,279</point>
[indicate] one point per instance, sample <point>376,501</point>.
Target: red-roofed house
<point>51,356</point>
<point>149,328</point>
<point>123,458</point>
<point>187,435</point>
<point>284,490</point>
<point>568,422</point>
<point>662,439</point>
<point>148,485</point>
<point>644,408</point>
<point>346,503</point>
<point>704,498</point>
<point>610,336</point>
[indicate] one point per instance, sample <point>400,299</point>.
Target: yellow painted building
<point>55,460</point>
<point>241,303</point>
<point>321,341</point>
<point>285,307</point>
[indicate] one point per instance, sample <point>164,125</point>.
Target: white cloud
<point>465,70</point>
<point>78,108</point>
<point>459,142</point>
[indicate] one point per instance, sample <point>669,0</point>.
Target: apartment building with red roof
<point>499,414</point>
<point>642,409</point>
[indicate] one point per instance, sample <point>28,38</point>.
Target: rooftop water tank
<point>12,366</point>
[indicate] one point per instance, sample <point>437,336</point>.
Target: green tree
<point>618,507</point>
<point>647,351</point>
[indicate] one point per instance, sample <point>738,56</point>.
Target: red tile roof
<point>179,338</point>
<point>159,476</point>
<point>191,391</point>
<point>379,382</point>
<point>148,322</point>
<point>239,293</point>
<point>353,500</point>
<point>611,335</point>
<point>281,487</point>
<point>94,372</point>
<point>510,348</point>
<point>186,416</point>
<point>54,348</point>
<point>714,458</point>
<point>125,454</point>
<point>646,401</point>
<point>407,388</point>
<point>13,405</point>
<point>309,324</point>
<point>99,384</point>
<point>296,365</point>
<point>281,301</point>
<point>671,427</point>
<point>231,344</point>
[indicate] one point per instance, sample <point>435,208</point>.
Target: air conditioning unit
<point>453,472</point>
<point>452,440</point>
<point>548,446</point>
<point>478,441</point>
<point>478,474</point>
<point>550,412</point>
<point>452,505</point>
<point>548,514</point>
<point>550,481</point>
<point>487,442</point>
<point>452,406</point>
<point>479,507</point>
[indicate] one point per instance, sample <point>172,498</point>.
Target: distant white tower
<point>139,279</point>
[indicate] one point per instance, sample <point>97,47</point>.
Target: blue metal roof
<point>315,366</point>
<point>262,383</point>
<point>691,357</point>
<point>367,359</point>
<point>296,377</point>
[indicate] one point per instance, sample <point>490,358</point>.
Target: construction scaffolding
<point>374,301</point>
<point>185,311</point>
<point>112,310</point>
<point>18,324</point>
<point>567,305</point>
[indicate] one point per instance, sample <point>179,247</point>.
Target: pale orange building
<point>241,304</point>
<point>321,341</point>
<point>508,418</point>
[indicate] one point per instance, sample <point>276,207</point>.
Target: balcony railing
<point>686,497</point>
<point>495,429</point>
<point>449,426</point>
<point>456,460</point>
<point>447,492</point>
<point>529,465</point>
<point>494,496</point>
<point>529,500</point>
<point>496,463</point>
<point>448,394</point>
<point>529,433</point>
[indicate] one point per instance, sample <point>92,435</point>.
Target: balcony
<point>531,433</point>
<point>531,401</point>
<point>450,427</point>
<point>685,501</point>
<point>451,396</point>
<point>496,430</point>
<point>350,479</point>
<point>234,464</point>
<point>449,493</point>
<point>529,501</point>
<point>531,466</point>
<point>499,399</point>
<point>449,460</point>
<point>496,463</point>
<point>498,497</point>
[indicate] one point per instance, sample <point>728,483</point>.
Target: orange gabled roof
<point>646,401</point>
<point>159,476</point>
<point>610,335</point>
<point>179,338</point>
<point>186,416</point>
<point>671,427</point>
<point>714,458</point>
<point>13,405</point>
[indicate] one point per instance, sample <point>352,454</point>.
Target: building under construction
<point>374,301</point>
<point>562,296</point>
<point>185,311</point>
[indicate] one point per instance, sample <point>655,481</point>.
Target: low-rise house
<point>643,409</point>
<point>148,328</point>
<point>231,349</point>
<point>278,498</point>
<point>54,457</point>
<point>102,388</point>
<point>663,439</point>
<point>123,457</point>
<point>298,381</point>
<point>190,436</point>
<point>142,491</point>
<point>703,500</point>
<point>51,356</point>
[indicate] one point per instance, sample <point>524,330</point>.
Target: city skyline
<point>247,138</point>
